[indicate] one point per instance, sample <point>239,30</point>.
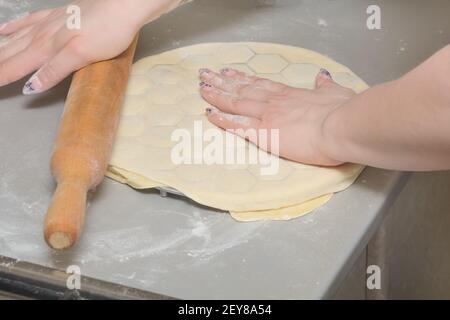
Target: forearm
<point>404,124</point>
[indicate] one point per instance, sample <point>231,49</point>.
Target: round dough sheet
<point>163,95</point>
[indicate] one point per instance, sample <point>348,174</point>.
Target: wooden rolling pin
<point>84,143</point>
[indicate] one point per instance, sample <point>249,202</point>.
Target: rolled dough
<point>163,95</point>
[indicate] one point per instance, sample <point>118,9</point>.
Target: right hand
<point>251,103</point>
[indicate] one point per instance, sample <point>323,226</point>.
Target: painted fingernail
<point>207,75</point>
<point>210,110</point>
<point>227,72</point>
<point>32,86</point>
<point>205,86</point>
<point>325,73</point>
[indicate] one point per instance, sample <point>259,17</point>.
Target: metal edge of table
<point>24,280</point>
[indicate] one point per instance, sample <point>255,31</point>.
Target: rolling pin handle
<point>65,215</point>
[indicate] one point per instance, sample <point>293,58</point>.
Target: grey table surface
<point>174,247</point>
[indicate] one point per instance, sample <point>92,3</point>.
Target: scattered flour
<point>201,230</point>
<point>242,120</point>
<point>141,242</point>
<point>13,8</point>
<point>322,22</point>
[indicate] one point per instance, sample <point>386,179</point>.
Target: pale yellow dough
<point>163,95</point>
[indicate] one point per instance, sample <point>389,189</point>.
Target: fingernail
<point>205,85</point>
<point>325,73</point>
<point>225,71</point>
<point>203,70</point>
<point>210,110</point>
<point>32,86</point>
<point>207,74</point>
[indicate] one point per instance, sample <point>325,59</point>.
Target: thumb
<point>323,79</point>
<point>68,60</point>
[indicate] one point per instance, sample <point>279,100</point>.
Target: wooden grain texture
<point>84,144</point>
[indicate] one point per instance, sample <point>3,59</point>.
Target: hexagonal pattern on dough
<point>190,83</point>
<point>267,63</point>
<point>159,160</point>
<point>137,84</point>
<point>301,73</point>
<point>162,75</point>
<point>163,97</point>
<point>156,115</point>
<point>345,79</point>
<point>234,54</point>
<point>158,136</point>
<point>135,104</point>
<point>193,104</point>
<point>190,120</point>
<point>131,126</point>
<point>195,62</point>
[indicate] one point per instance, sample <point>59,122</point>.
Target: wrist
<point>349,131</point>
<point>332,135</point>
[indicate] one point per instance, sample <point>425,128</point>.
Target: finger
<point>20,65</point>
<point>23,21</point>
<point>240,125</point>
<point>68,60</point>
<point>232,80</point>
<point>324,79</point>
<point>256,82</point>
<point>243,90</point>
<point>231,104</point>
<point>13,47</point>
<point>223,82</point>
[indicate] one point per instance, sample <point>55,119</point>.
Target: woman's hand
<point>246,102</point>
<point>42,40</point>
<point>401,125</point>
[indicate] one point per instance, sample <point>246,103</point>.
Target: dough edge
<point>140,182</point>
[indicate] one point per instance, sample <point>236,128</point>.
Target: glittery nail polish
<point>205,85</point>
<point>32,86</point>
<point>225,71</point>
<point>325,72</point>
<point>28,88</point>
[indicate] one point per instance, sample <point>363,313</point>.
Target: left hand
<point>247,102</point>
<point>42,40</point>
